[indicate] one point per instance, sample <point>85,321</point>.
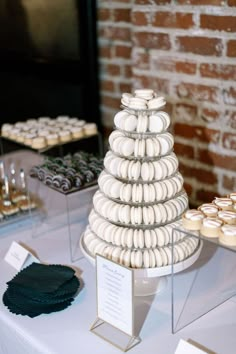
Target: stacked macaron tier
<point>141,196</point>
<point>135,192</point>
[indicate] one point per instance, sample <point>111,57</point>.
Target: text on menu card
<point>115,294</point>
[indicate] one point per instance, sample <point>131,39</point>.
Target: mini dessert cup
<point>224,203</point>
<point>227,235</point>
<point>209,210</point>
<point>192,219</point>
<point>211,227</point>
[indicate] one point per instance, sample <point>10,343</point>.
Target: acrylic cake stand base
<point>150,281</point>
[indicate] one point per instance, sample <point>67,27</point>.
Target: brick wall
<point>185,50</point>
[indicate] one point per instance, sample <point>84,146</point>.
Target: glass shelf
<point>140,226</point>
<point>59,210</point>
<point>139,135</point>
<point>204,286</point>
<point>142,111</point>
<point>137,204</point>
<point>49,147</point>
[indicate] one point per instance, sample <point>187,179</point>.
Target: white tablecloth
<point>67,332</point>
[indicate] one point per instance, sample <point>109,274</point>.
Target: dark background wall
<point>48,63</point>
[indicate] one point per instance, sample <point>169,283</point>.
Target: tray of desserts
<point>16,204</point>
<point>215,221</point>
<point>70,173</point>
<point>44,133</point>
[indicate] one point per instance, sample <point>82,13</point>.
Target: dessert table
<point>68,331</point>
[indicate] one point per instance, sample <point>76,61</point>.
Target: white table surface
<point>67,332</point>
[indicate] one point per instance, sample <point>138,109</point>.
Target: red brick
<point>162,2</point>
<point>150,2</point>
<point>108,2</point>
<point>200,2</point>
<point>231,48</point>
<point>183,150</point>
<point>231,2</point>
<point>209,115</point>
<point>231,118</point>
<point>206,196</point>
<point>157,84</point>
<point>173,20</point>
<point>218,23</point>
<point>200,45</point>
<point>104,52</point>
<point>104,14</point>
<point>185,67</point>
<point>218,71</point>
<point>141,60</point>
<point>198,92</point>
<point>115,33</point>
<point>107,85</point>
<point>123,51</point>
<point>188,188</point>
<point>229,182</point>
<point>170,64</point>
<point>184,170</point>
<point>141,81</point>
<point>139,18</point>
<point>113,69</point>
<point>127,71</point>
<point>151,40</point>
<point>124,87</point>
<point>121,15</point>
<point>199,174</point>
<point>184,130</point>
<point>229,141</point>
<point>205,176</point>
<point>229,96</point>
<point>186,112</point>
<point>143,2</point>
<point>169,108</point>
<point>111,102</point>
<point>213,159</point>
<point>196,132</point>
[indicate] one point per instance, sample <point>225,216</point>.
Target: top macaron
<point>143,99</point>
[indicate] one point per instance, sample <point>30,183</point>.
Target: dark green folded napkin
<point>40,276</point>
<point>41,288</point>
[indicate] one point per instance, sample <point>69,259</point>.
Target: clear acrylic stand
<point>208,283</point>
<point>62,210</point>
<point>114,336</point>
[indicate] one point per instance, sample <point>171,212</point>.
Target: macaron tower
<point>141,196</point>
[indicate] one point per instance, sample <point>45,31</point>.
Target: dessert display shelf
<point>19,218</point>
<point>70,173</point>
<point>148,281</point>
<point>141,195</point>
<point>48,148</point>
<point>46,132</point>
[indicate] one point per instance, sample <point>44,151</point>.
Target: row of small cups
<point>140,193</point>
<point>132,238</point>
<point>216,219</point>
<point>155,146</point>
<point>147,258</point>
<point>125,214</point>
<point>134,170</point>
<point>156,122</point>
